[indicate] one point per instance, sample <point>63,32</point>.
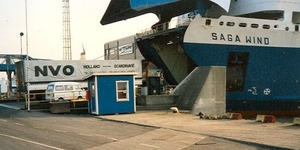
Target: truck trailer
<point>35,75</point>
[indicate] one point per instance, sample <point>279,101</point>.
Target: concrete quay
<point>277,135</point>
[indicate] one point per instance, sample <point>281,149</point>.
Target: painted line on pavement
<point>13,137</point>
<point>112,139</point>
<point>62,131</point>
<point>8,106</point>
<point>85,134</point>
<point>20,124</point>
<point>149,145</point>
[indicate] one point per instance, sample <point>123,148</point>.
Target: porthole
<point>275,26</point>
<point>254,25</point>
<point>230,24</point>
<point>265,26</point>
<point>221,23</point>
<point>287,28</point>
<point>243,25</point>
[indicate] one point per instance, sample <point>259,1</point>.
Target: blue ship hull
<point>258,79</point>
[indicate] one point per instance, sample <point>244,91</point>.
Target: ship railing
<point>162,27</point>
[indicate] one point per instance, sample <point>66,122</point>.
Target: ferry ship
<point>258,41</point>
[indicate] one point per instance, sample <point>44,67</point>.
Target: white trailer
<point>39,73</point>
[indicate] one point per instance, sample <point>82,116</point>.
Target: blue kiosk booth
<point>111,86</point>
<point>111,93</point>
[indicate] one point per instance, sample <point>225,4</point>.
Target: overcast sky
<point>45,28</point>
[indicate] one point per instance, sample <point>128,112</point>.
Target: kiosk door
<point>93,98</point>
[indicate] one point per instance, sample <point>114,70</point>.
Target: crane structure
<point>67,52</point>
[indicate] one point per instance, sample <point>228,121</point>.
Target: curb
<point>133,123</point>
<point>265,118</point>
<point>236,116</point>
<point>296,121</point>
<point>11,107</point>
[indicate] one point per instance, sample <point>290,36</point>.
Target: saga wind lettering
<point>237,38</point>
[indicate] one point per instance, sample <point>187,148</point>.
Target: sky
<point>45,28</point>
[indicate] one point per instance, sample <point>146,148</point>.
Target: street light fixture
<point>21,34</point>
<point>21,57</point>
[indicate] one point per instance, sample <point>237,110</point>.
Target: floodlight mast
<point>67,52</point>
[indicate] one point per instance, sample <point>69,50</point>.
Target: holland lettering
<point>91,66</point>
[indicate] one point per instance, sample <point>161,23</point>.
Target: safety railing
<point>162,27</point>
<point>71,96</point>
<point>17,96</point>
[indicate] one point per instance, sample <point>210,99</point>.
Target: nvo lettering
<point>66,70</point>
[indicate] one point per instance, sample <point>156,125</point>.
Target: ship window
<point>296,27</point>
<point>287,28</point>
<point>295,18</point>
<point>243,24</point>
<point>254,25</point>
<point>275,26</point>
<point>265,26</point>
<point>221,23</point>
<point>207,22</point>
<point>230,24</point>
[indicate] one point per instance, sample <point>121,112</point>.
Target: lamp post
<point>27,79</point>
<point>21,34</point>
<point>21,57</point>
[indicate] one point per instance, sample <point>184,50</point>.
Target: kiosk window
<point>122,90</point>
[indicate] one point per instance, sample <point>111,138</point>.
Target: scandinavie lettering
<point>124,66</point>
<point>237,38</point>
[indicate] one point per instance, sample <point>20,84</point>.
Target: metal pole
<point>21,34</point>
<point>118,50</point>
<point>21,59</point>
<point>28,94</point>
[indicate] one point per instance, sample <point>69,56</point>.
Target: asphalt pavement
<point>279,135</point>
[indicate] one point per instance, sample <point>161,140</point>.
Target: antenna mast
<point>67,52</point>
